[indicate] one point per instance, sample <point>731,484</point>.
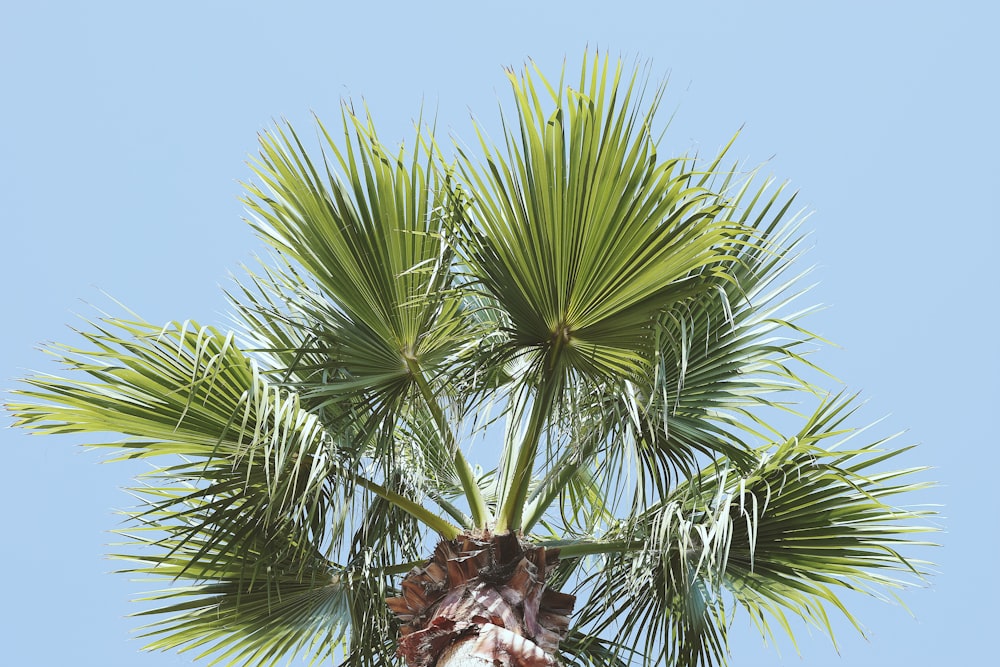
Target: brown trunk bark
<point>482,600</point>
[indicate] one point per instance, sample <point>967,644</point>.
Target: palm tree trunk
<point>482,600</point>
<point>462,654</point>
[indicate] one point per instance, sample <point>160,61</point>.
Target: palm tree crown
<point>609,334</point>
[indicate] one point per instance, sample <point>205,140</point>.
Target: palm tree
<point>612,333</point>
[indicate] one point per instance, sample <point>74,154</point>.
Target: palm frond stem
<point>443,527</point>
<point>561,473</point>
<point>519,478</point>
<point>577,548</point>
<point>480,512</point>
<point>464,520</point>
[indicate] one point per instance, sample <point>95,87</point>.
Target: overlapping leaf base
<point>488,593</point>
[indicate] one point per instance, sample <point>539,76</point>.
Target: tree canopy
<point>567,336</point>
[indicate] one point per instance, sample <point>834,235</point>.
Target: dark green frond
<point>808,521</point>
<point>813,519</point>
<point>189,393</point>
<point>259,606</point>
<point>378,313</point>
<point>256,498</point>
<point>717,363</point>
<point>721,361</point>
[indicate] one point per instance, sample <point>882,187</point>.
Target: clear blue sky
<point>125,130</point>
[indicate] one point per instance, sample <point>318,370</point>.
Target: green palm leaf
<point>384,322</point>
<point>581,235</point>
<point>806,521</point>
<point>255,506</point>
<point>716,362</point>
<point>256,607</point>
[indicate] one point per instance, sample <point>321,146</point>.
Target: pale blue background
<point>124,127</point>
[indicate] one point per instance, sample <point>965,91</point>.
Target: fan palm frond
<point>255,508</point>
<point>781,539</point>
<point>716,361</point>
<point>384,323</point>
<point>262,605</point>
